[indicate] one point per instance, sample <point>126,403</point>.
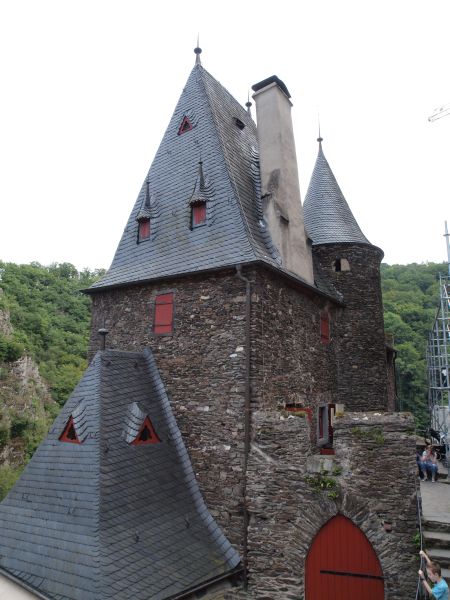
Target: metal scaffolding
<point>438,362</point>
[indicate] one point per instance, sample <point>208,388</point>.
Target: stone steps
<point>436,539</point>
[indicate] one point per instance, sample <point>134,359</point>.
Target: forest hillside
<point>44,327</point>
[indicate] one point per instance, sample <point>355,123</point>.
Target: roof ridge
<point>225,155</point>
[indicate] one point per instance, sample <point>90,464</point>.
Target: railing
<point>420,594</point>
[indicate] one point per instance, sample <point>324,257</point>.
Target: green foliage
<point>8,477</point>
<point>321,482</point>
<point>410,298</point>
<point>50,317</point>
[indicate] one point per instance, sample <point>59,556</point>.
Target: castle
<point>234,434</point>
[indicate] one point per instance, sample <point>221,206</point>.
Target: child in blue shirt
<point>440,587</point>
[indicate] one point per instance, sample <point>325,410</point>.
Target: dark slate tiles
<point>328,218</point>
<point>107,519</point>
<point>233,233</point>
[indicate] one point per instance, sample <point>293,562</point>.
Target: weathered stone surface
<point>361,352</point>
<point>203,365</point>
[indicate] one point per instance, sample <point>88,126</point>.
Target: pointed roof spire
<point>198,51</point>
<point>328,218</point>
<point>320,138</point>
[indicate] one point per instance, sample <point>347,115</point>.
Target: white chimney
<point>279,176</point>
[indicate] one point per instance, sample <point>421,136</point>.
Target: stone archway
<point>342,564</point>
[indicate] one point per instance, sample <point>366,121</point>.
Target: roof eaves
<point>24,585</point>
<point>188,593</point>
<point>310,289</point>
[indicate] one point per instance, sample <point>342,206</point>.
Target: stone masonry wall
<point>290,365</point>
<point>202,366</point>
<point>360,351</point>
<point>372,483</point>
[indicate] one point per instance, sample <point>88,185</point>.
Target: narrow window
<point>321,421</point>
<point>146,435</point>
<point>163,322</point>
<point>325,328</point>
<point>186,125</point>
<point>198,214</point>
<point>144,229</point>
<point>337,265</point>
<point>69,434</point>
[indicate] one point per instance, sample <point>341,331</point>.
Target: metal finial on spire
<point>248,104</point>
<point>320,138</point>
<point>198,51</point>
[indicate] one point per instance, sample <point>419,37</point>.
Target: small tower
<point>352,264</point>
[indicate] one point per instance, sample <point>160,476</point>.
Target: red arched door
<point>341,564</point>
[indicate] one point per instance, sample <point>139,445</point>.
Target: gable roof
<point>327,216</point>
<point>235,231</point>
<point>106,518</point>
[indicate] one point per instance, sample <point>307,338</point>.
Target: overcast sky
<point>88,88</point>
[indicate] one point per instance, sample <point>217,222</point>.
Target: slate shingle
<point>106,519</point>
<point>327,216</point>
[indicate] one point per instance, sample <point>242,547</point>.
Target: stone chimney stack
<point>279,176</point>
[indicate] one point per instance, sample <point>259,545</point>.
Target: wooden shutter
<point>163,322</point>
<point>325,328</point>
<point>198,213</point>
<point>144,229</point>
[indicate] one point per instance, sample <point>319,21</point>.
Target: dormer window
<point>185,126</point>
<point>70,434</point>
<point>198,213</point>
<point>146,434</point>
<point>144,229</point>
<point>239,123</point>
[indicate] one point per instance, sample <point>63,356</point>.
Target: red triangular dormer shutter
<point>185,126</point>
<point>69,434</point>
<point>146,435</point>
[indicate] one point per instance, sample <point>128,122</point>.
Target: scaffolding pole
<point>438,362</point>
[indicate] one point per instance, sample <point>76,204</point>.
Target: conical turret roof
<point>327,216</point>
<point>109,507</point>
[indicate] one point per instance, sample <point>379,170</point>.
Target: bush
<point>8,477</point>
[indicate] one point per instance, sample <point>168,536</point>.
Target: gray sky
<point>88,88</point>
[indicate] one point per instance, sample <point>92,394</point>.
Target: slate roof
<point>105,518</point>
<point>327,216</point>
<point>235,231</point>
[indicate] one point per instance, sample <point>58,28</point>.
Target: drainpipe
<point>247,417</point>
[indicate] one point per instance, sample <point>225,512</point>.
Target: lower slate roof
<point>104,518</point>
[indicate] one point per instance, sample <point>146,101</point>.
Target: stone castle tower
<point>259,324</point>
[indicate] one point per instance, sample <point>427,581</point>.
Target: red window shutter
<point>198,213</point>
<point>163,322</point>
<point>144,229</point>
<point>325,328</point>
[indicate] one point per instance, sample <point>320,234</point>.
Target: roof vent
<point>239,123</point>
<point>146,434</point>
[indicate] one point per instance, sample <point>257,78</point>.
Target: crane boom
<point>440,112</point>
